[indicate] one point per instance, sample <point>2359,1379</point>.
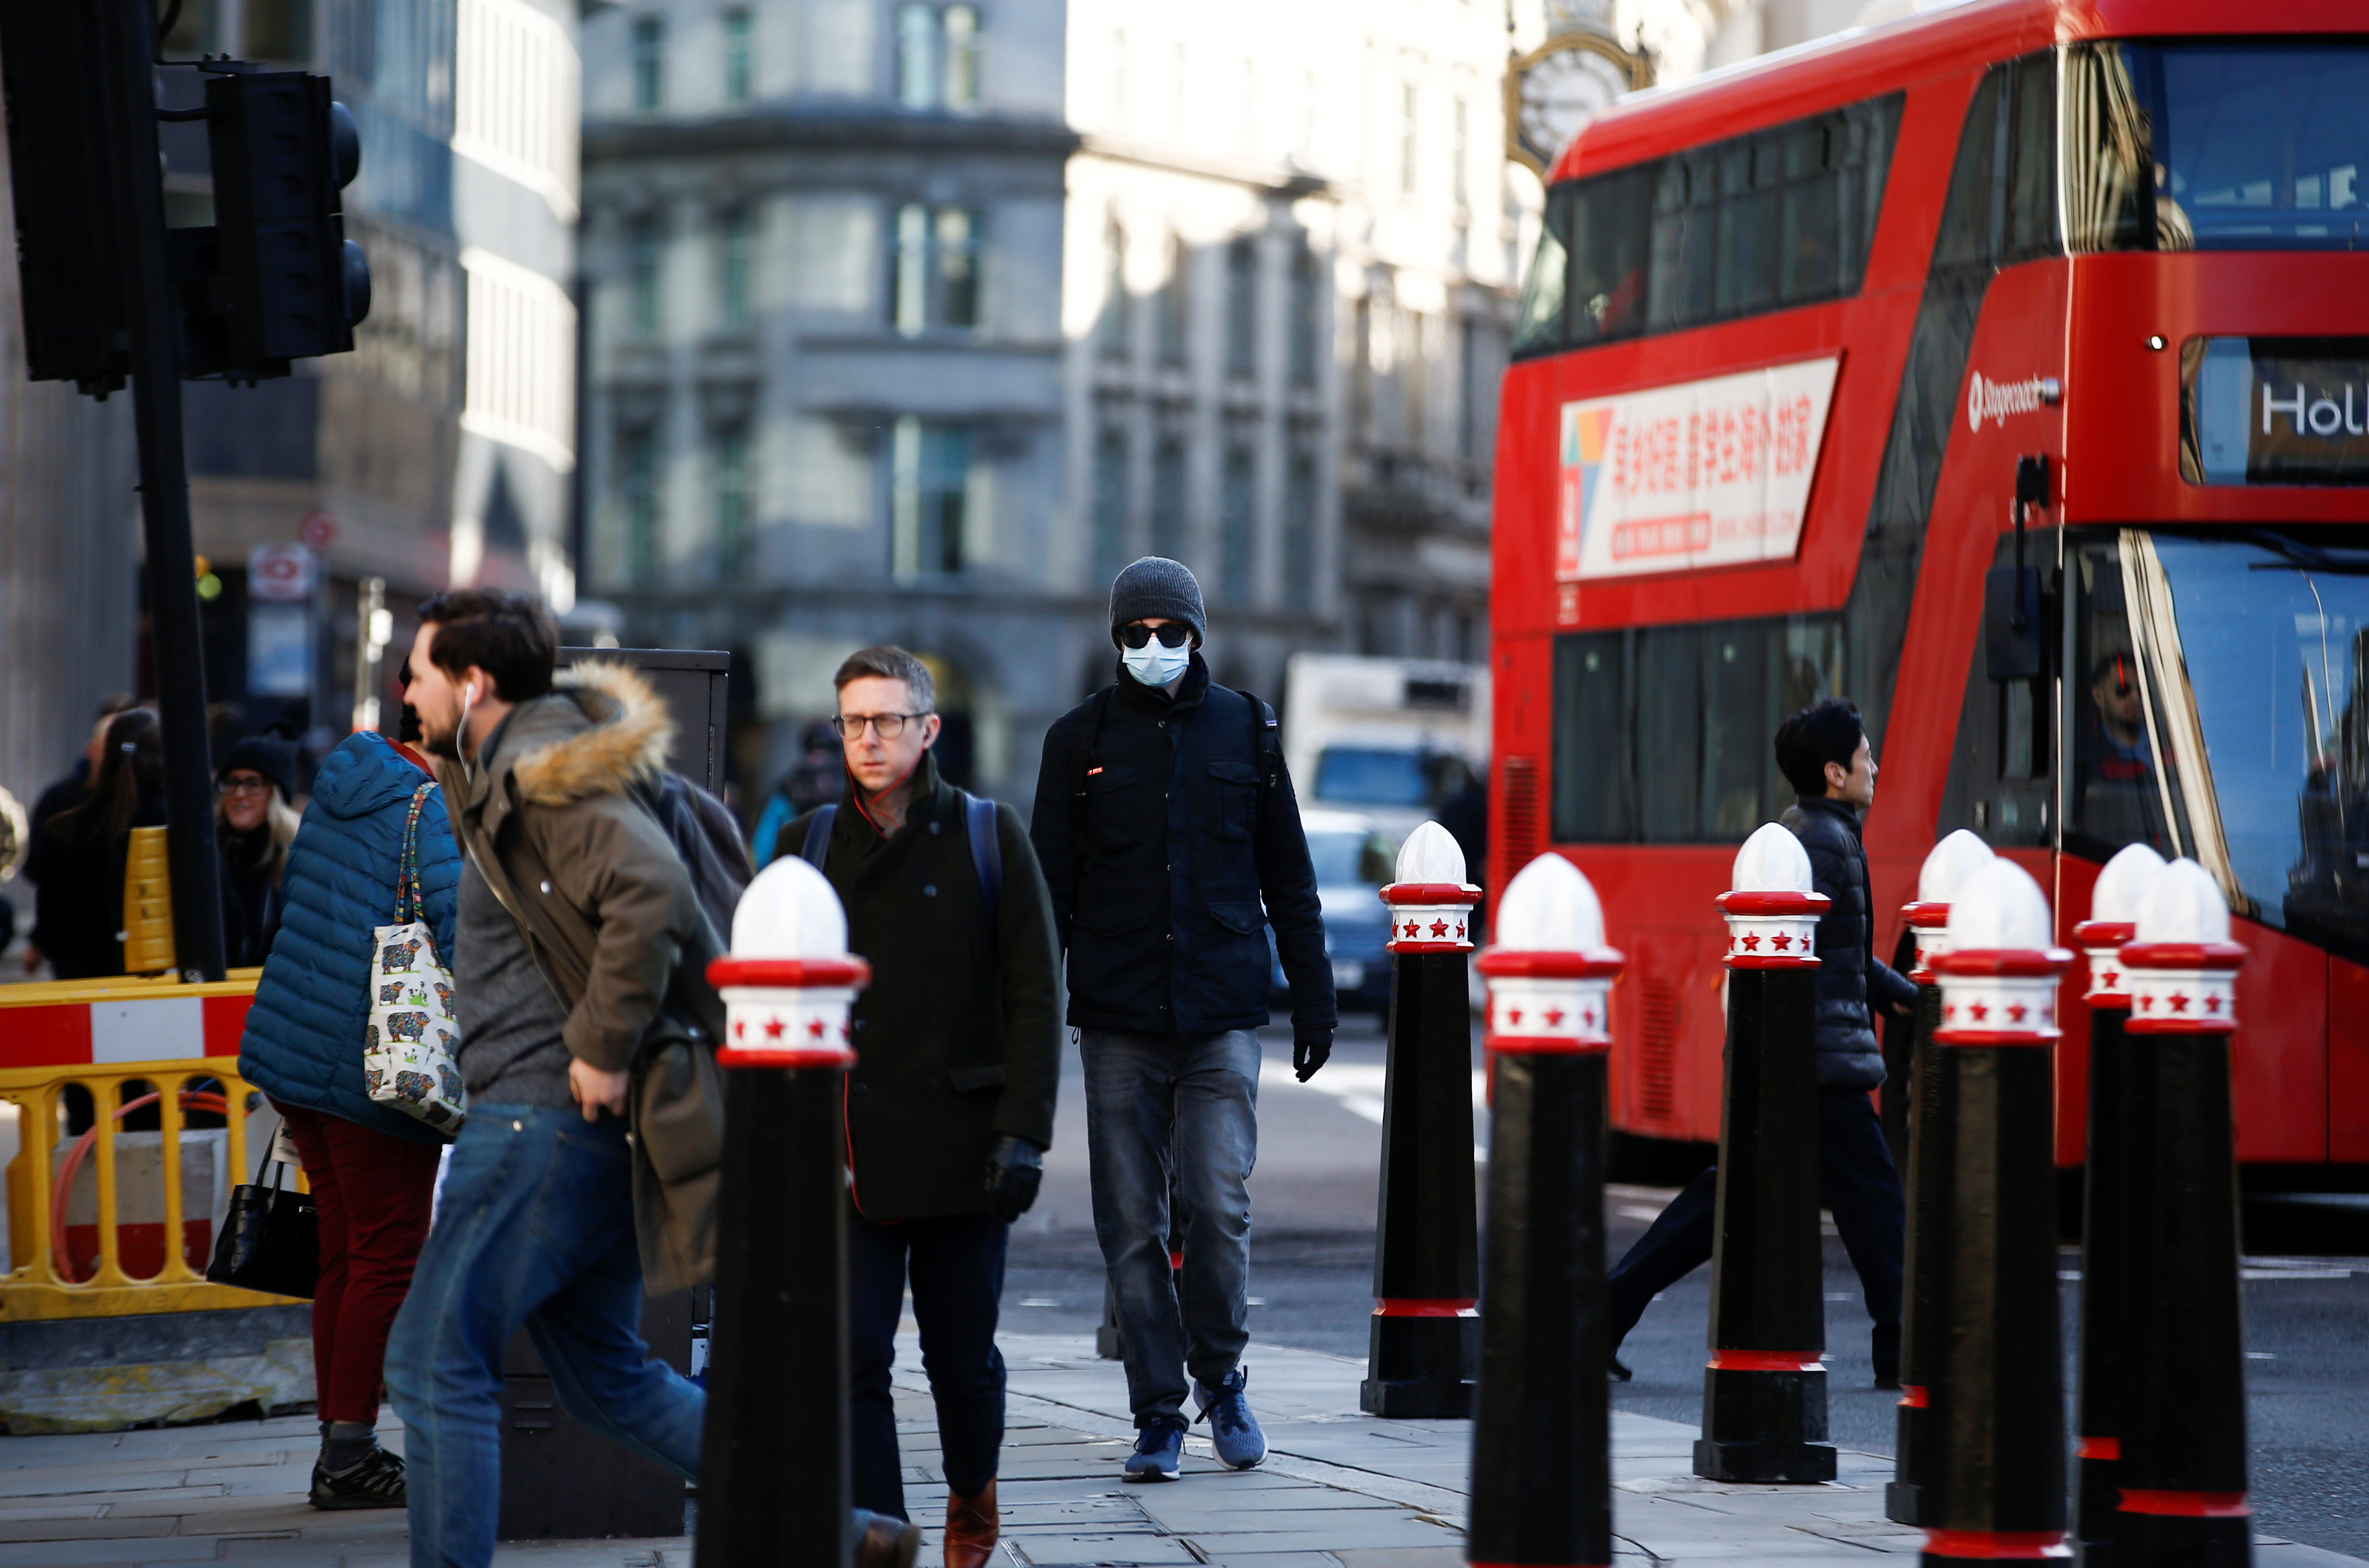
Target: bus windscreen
<point>2235,145</point>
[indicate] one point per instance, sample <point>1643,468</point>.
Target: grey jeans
<point>1173,1113</point>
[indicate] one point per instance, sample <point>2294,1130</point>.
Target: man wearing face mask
<point>1165,819</point>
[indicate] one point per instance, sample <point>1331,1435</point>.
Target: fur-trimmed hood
<point>616,737</point>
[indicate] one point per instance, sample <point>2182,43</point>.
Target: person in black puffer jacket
<point>1824,753</point>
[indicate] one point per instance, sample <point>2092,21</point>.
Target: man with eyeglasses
<point>1165,820</point>
<point>957,1062</point>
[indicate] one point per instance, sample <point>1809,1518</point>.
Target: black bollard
<point>1541,1435</point>
<point>2109,1194</point>
<point>1425,1346</point>
<point>1997,1424</point>
<point>1765,1392</point>
<point>2182,1407</point>
<point>1950,862</point>
<point>774,1484</point>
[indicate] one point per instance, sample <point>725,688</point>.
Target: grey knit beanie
<point>1158,586</point>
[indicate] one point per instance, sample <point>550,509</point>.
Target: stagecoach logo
<point>1994,400</point>
<point>1704,474</point>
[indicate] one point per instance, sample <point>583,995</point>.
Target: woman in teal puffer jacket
<point>372,1168</point>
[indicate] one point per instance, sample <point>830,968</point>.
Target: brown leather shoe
<point>884,1540</point>
<point>972,1527</point>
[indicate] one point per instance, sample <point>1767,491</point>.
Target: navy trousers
<point>1856,1183</point>
<point>956,1267</point>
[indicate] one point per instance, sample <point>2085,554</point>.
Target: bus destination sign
<point>2275,411</point>
<point>1703,474</point>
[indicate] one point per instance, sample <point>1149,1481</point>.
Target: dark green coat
<point>958,1037</point>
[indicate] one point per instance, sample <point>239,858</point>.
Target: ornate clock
<point>1558,87</point>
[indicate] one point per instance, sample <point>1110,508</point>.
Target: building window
<point>638,491</point>
<point>1460,150</point>
<point>736,245</point>
<point>644,254</point>
<point>1110,502</point>
<point>1238,523</point>
<point>739,68</point>
<point>938,57</point>
<point>1175,301</point>
<point>649,62</point>
<point>1299,504</point>
<point>519,372</point>
<point>733,499</point>
<point>1168,498</point>
<point>516,81</point>
<point>929,524</point>
<point>1241,307</point>
<point>1307,314</point>
<point>1408,105</point>
<point>937,269</point>
<point>1110,326</point>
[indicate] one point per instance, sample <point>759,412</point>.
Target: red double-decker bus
<point>1795,334</point>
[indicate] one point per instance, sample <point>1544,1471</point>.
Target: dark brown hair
<point>511,637</point>
<point>887,663</point>
<point>132,765</point>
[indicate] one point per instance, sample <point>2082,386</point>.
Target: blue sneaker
<point>1234,1430</point>
<point>1159,1450</point>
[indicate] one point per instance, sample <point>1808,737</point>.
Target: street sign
<point>280,574</point>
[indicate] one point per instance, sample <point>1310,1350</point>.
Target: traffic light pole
<point>175,649</point>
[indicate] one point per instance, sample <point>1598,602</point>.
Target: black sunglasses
<point>1176,634</point>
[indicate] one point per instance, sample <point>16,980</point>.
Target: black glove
<point>1310,1052</point>
<point>1015,1169</point>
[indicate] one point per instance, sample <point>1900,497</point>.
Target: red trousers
<point>373,1193</point>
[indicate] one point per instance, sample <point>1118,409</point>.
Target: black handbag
<point>270,1239</point>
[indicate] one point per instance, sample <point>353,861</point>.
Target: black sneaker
<point>373,1481</point>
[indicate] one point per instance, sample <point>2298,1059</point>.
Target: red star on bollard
<point>1587,1019</point>
<point>1439,928</point>
<point>1514,1015</point>
<point>1951,1011</point>
<point>2108,979</point>
<point>740,1028</point>
<point>814,1028</point>
<point>2178,1002</point>
<point>1413,929</point>
<point>772,1028</point>
<point>1751,943</point>
<point>2018,1012</point>
<point>2212,1005</point>
<point>2147,1003</point>
<point>1980,1010</point>
<point>1555,1017</point>
<point>1782,942</point>
<point>1459,930</point>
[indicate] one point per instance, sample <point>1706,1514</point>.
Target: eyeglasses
<point>1175,634</point>
<point>887,726</point>
<point>245,787</point>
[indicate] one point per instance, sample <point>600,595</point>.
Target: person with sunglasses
<point>1170,841</point>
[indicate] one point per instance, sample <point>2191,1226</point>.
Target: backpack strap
<point>1266,750</point>
<point>1094,746</point>
<point>985,851</point>
<point>817,841</point>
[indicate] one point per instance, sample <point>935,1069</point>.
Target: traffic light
<point>67,258</point>
<point>287,282</point>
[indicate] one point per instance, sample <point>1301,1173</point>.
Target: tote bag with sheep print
<point>408,1050</point>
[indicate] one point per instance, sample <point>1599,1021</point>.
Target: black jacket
<point>1162,823</point>
<point>958,1037</point>
<point>1851,979</point>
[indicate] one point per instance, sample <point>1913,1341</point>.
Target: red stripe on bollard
<point>1406,1307</point>
<point>1763,1361</point>
<point>1543,1045</point>
<point>2186,1504</point>
<point>2101,1448</point>
<point>1915,1396</point>
<point>788,972</point>
<point>732,1057</point>
<point>2012,1545</point>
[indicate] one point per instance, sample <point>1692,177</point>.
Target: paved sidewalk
<point>1340,1489</point>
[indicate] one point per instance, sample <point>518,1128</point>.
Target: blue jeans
<point>1173,1113</point>
<point>536,1227</point>
<point>956,1266</point>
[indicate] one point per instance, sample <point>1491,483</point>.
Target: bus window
<point>1765,221</point>
<point>2236,145</point>
<point>1664,735</point>
<point>2001,782</point>
<point>2113,791</point>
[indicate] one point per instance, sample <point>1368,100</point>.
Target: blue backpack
<point>978,821</point>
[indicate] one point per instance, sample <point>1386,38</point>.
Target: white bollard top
<point>790,911</point>
<point>1998,976</point>
<point>2114,903</point>
<point>2184,905</point>
<point>1431,854</point>
<point>1956,857</point>
<point>1550,907</point>
<point>1771,861</point>
<point>1999,908</point>
<point>1550,974</point>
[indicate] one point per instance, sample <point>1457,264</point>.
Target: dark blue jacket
<point>1852,982</point>
<point>1170,840</point>
<point>304,1043</point>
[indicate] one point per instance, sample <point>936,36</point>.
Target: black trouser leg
<point>1862,1190</point>
<point>876,1299</point>
<point>1678,1242</point>
<point>958,1285</point>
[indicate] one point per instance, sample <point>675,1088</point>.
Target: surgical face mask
<point>1154,664</point>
